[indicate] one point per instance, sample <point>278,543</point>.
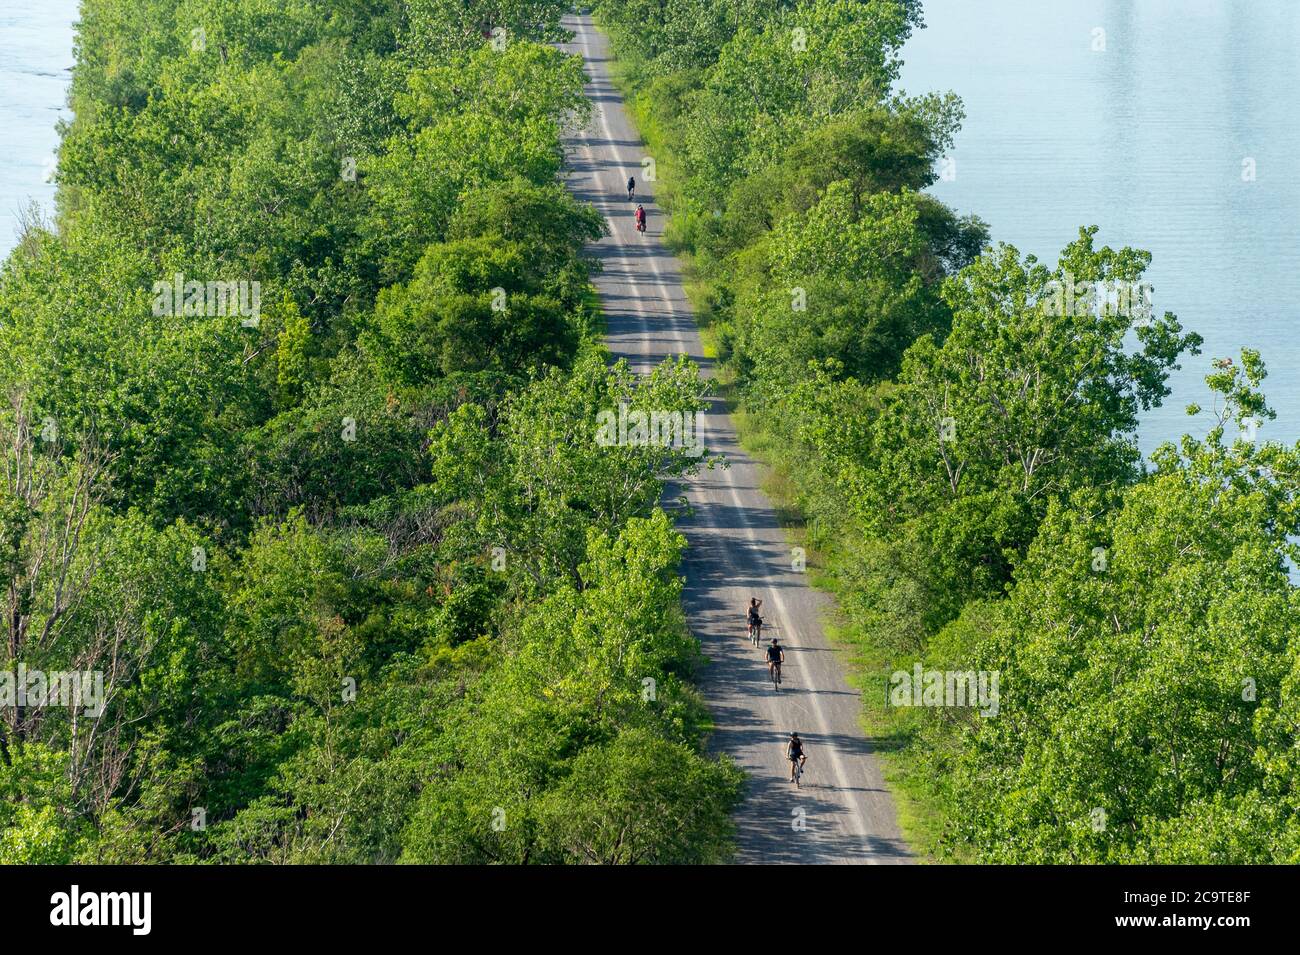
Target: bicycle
<point>774,671</point>
<point>756,632</point>
<point>798,771</point>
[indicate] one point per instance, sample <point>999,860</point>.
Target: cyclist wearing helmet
<point>775,657</point>
<point>795,753</point>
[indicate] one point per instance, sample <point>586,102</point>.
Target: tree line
<point>360,583</point>
<point>958,424</point>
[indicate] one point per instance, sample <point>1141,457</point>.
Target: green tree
<point>1143,653</point>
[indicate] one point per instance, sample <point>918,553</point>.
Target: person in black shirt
<point>794,752</point>
<point>755,621</point>
<point>775,657</point>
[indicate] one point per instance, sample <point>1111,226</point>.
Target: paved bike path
<point>737,547</point>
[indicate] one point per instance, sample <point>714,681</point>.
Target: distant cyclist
<point>640,218</point>
<point>775,657</point>
<point>631,188</point>
<point>755,621</point>
<point>795,753</point>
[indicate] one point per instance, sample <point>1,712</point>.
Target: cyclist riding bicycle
<point>631,187</point>
<point>640,218</point>
<point>775,657</point>
<point>794,752</point>
<point>755,621</point>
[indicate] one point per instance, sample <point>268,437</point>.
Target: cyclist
<point>775,657</point>
<point>631,188</point>
<point>640,218</point>
<point>755,621</point>
<point>794,752</point>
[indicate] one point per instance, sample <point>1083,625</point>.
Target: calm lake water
<point>1138,116</point>
<point>35,59</point>
<point>1144,130</point>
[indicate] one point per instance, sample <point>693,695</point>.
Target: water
<point>35,60</point>
<point>1146,139</point>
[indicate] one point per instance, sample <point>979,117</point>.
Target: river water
<point>1146,118</point>
<point>35,59</point>
<point>1171,124</point>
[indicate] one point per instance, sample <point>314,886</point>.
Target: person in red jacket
<point>640,218</point>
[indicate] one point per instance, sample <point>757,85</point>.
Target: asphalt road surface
<point>843,812</point>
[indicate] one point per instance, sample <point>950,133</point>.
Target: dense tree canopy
<point>300,455</point>
<point>299,404</point>
<point>958,424</point>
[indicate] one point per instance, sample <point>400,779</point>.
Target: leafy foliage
<point>958,424</point>
<point>354,568</point>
